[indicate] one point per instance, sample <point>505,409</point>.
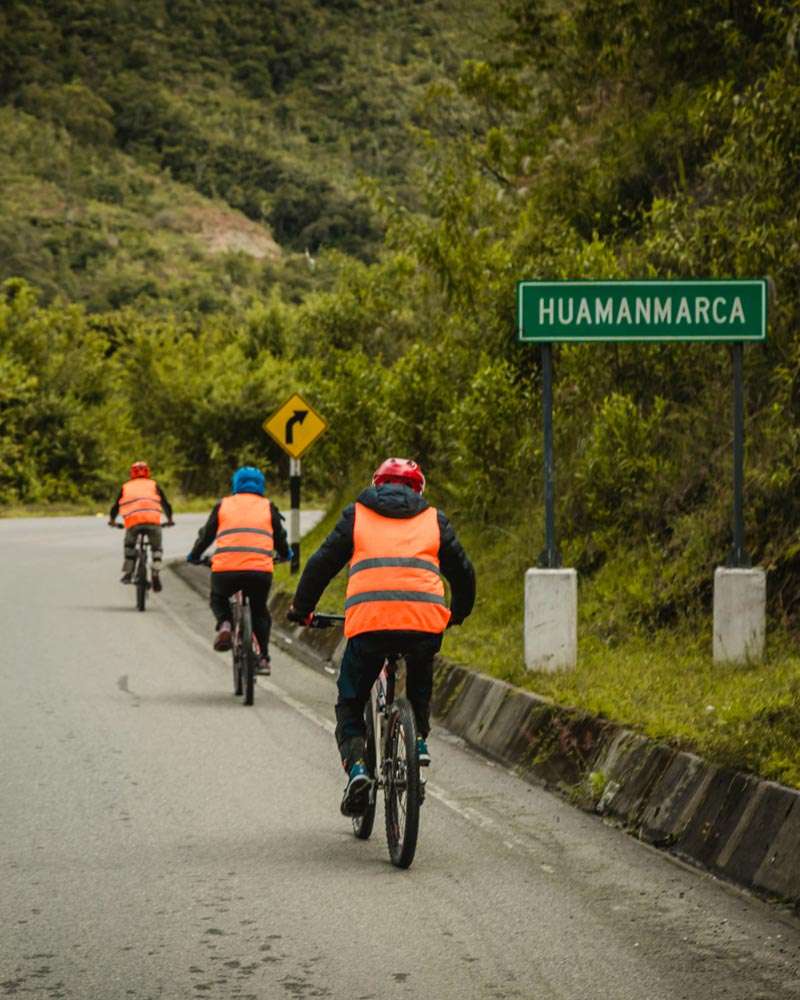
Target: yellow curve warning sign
<point>295,426</point>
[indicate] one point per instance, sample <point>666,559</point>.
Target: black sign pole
<point>550,557</point>
<point>738,557</point>
<point>294,522</point>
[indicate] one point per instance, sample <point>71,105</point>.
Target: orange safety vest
<point>244,535</point>
<point>140,503</point>
<point>394,580</point>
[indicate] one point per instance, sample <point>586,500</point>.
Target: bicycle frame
<point>382,698</point>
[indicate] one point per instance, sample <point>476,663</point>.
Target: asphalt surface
<point>159,839</point>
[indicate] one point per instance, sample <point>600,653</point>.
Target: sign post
<point>732,310</point>
<point>295,426</point>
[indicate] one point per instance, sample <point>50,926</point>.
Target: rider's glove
<point>297,616</point>
<point>191,559</point>
<point>290,554</point>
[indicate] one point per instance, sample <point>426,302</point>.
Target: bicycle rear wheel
<point>401,784</point>
<point>248,660</point>
<point>362,825</point>
<point>140,577</point>
<point>236,649</point>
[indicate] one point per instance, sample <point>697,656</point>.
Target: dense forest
<point>210,205</point>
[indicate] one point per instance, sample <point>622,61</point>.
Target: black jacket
<point>207,534</point>
<point>389,500</point>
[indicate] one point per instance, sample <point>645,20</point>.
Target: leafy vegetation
<point>426,167</point>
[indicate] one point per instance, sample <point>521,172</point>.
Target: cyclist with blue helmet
<point>248,530</point>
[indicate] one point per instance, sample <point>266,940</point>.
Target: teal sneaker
<point>423,752</point>
<point>356,795</point>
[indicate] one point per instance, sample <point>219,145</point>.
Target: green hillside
<point>118,115</point>
<point>426,156</point>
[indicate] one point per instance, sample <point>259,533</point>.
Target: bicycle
<point>245,649</point>
<point>392,760</point>
<point>141,574</point>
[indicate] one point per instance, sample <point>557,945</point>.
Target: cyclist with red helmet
<point>399,548</point>
<point>141,502</point>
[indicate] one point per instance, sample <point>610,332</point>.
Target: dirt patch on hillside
<point>230,232</point>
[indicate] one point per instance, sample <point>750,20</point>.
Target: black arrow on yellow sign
<point>298,418</point>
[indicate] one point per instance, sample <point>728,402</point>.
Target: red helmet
<point>140,470</point>
<point>400,470</point>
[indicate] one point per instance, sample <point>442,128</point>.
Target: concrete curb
<point>735,825</point>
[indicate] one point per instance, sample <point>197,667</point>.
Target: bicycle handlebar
<point>206,560</point>
<point>318,620</point>
<point>164,524</point>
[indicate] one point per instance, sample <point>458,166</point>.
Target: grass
<point>180,505</point>
<point>662,683</point>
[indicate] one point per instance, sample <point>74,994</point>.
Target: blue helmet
<point>248,479</point>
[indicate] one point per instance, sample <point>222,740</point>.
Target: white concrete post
<point>551,619</point>
<point>740,608</point>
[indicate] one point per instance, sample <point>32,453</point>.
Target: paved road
<point>159,839</point>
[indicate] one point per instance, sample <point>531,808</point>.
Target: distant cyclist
<point>247,529</point>
<point>399,548</point>
<point>141,502</point>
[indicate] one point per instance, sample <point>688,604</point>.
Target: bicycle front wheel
<point>248,661</point>
<point>141,578</point>
<point>401,783</point>
<point>362,825</point>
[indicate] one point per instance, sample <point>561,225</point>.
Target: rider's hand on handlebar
<point>296,616</point>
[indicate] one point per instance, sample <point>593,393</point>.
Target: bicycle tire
<point>248,656</point>
<point>141,576</point>
<point>236,650</point>
<point>401,784</point>
<point>362,825</point>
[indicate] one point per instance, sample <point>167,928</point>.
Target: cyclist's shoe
<point>264,668</point>
<point>423,752</point>
<point>157,586</point>
<point>126,578</point>
<point>222,641</point>
<point>356,795</point>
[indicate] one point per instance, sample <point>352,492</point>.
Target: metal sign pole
<point>294,515</point>
<point>738,558</point>
<point>550,557</point>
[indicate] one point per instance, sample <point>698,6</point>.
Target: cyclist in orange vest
<point>399,548</point>
<point>141,502</point>
<point>248,530</point>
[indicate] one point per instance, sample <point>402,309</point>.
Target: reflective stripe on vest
<point>140,503</point>
<point>244,535</point>
<point>394,580</point>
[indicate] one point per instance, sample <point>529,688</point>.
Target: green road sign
<point>641,310</point>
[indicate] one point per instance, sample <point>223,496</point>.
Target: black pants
<point>361,664</point>
<point>253,583</point>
